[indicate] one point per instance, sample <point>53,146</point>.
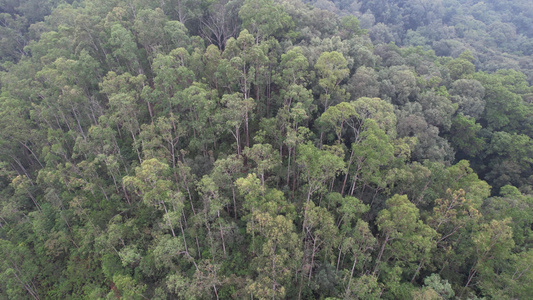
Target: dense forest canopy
<point>266,149</point>
<point>498,32</point>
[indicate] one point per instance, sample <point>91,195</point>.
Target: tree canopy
<point>266,149</point>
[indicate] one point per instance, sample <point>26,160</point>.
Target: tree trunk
<point>378,260</point>
<point>222,237</point>
<point>347,173</point>
<point>350,280</point>
<point>289,166</point>
<point>168,218</point>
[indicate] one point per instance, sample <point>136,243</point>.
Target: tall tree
<point>264,18</point>
<point>332,70</point>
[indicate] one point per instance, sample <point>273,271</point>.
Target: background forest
<point>266,149</point>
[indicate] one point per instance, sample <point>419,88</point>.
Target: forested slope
<point>498,32</point>
<point>257,149</point>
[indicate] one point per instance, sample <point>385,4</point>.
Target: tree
<point>237,111</point>
<point>225,172</point>
<point>369,156</point>
<point>293,68</point>
<point>264,157</point>
<point>504,109</point>
<point>451,218</point>
<point>364,83</point>
<point>350,27</point>
<point>14,38</point>
<point>172,149</point>
<point>511,156</point>
<point>318,167</point>
<point>430,145</point>
<point>196,106</point>
<point>404,237</point>
<point>468,94</point>
<point>212,61</point>
<point>336,117</point>
<point>148,26</point>
<point>125,51</point>
<point>264,18</point>
<point>320,233</point>
<point>213,205</point>
<point>459,68</point>
<point>364,287</point>
<point>380,111</point>
<point>250,186</point>
<point>359,243</point>
<point>124,92</point>
<point>464,135</point>
<point>172,76</point>
<point>278,258</point>
<point>400,84</point>
<point>511,203</point>
<point>19,271</point>
<point>246,62</point>
<point>492,240</point>
<point>128,287</point>
<point>440,286</point>
<point>332,70</point>
<point>438,110</point>
<point>171,132</point>
<point>67,85</point>
<point>510,279</point>
<point>17,136</point>
<point>220,22</point>
<point>151,184</point>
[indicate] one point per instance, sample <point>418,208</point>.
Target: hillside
<point>265,149</point>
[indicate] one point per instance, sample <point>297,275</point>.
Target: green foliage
<point>261,149</point>
<point>464,135</point>
<point>332,70</point>
<point>350,27</point>
<point>460,68</point>
<point>441,287</point>
<point>264,18</point>
<point>410,238</point>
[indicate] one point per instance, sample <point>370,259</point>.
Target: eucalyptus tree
<point>331,69</point>
<point>264,18</point>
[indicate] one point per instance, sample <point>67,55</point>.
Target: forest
<point>266,149</point>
